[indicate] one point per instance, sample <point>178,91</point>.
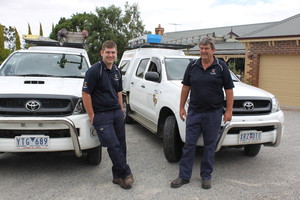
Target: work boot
<point>206,184</point>
<point>129,180</point>
<point>121,183</point>
<point>179,182</point>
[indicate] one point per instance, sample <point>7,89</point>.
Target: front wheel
<point>252,150</point>
<point>171,140</point>
<point>94,155</point>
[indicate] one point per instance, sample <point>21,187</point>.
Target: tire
<point>127,110</point>
<point>94,155</point>
<point>252,150</point>
<point>171,140</point>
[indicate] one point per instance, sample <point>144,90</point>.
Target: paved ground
<point>273,174</point>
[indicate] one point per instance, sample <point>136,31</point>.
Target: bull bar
<point>65,121</point>
<point>229,125</point>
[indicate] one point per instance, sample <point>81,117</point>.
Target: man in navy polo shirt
<point>102,98</point>
<point>204,79</point>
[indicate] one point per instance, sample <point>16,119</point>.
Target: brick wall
<point>266,48</point>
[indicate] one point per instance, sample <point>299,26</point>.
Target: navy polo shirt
<point>103,85</point>
<point>207,85</point>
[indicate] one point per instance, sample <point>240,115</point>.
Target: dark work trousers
<point>209,124</point>
<point>110,128</point>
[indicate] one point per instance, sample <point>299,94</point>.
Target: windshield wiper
<point>42,75</point>
<point>72,76</point>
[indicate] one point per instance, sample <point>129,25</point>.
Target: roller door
<point>280,75</point>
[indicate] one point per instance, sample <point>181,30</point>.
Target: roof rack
<point>66,39</point>
<point>161,45</point>
<point>54,43</point>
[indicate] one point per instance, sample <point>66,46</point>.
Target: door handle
<point>143,86</point>
<point>132,83</point>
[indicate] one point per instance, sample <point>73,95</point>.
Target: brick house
<point>273,59</point>
<point>270,53</point>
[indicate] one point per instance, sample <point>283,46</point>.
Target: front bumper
<point>75,141</point>
<point>271,138</point>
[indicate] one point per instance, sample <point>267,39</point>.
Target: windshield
<point>44,64</point>
<point>176,67</point>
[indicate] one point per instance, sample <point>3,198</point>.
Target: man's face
<point>206,52</point>
<point>109,55</point>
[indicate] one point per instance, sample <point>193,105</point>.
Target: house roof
<point>216,32</point>
<point>289,27</point>
<point>232,47</point>
<point>226,37</point>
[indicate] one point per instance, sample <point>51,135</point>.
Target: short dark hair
<point>109,44</point>
<point>207,41</point>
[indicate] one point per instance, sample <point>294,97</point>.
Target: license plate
<point>251,136</point>
<point>32,142</point>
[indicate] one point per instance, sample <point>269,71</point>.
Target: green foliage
<point>1,44</point>
<point>4,53</point>
<point>29,30</point>
<point>109,23</point>
<point>41,30</point>
<point>236,65</point>
<point>18,42</point>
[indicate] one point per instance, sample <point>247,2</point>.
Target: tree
<point>133,26</point>
<point>9,37</point>
<point>109,23</point>
<point>18,42</point>
<point>1,43</point>
<point>41,29</point>
<point>6,37</point>
<point>29,30</point>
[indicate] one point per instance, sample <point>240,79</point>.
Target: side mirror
<point>152,76</point>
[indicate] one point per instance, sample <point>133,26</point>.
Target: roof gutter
<point>268,38</point>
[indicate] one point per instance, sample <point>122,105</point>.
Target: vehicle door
<point>152,88</point>
<point>137,96</point>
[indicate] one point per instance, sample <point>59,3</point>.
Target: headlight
<point>79,108</point>
<point>275,105</point>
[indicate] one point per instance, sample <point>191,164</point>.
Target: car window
<point>124,65</point>
<point>141,68</point>
<point>175,67</point>
<point>45,64</point>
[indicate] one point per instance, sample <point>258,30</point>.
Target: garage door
<point>280,75</point>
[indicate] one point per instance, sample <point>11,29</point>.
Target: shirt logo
<point>213,72</point>
<point>84,85</point>
<point>116,77</point>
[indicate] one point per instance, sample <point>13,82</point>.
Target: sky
<point>172,15</point>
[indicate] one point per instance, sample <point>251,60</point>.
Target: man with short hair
<point>102,98</point>
<point>204,79</point>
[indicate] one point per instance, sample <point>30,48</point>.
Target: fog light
<point>93,132</point>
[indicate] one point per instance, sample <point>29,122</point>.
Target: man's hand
<point>182,114</point>
<point>227,116</point>
<point>91,118</point>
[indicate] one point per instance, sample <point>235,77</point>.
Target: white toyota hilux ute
<point>41,108</point>
<point>152,86</point>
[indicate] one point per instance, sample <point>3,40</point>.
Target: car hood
<point>241,90</point>
<point>41,85</point>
